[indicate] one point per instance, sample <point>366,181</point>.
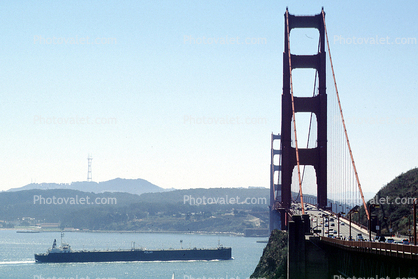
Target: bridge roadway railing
<point>381,248</point>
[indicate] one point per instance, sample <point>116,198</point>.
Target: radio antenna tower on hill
<point>89,159</point>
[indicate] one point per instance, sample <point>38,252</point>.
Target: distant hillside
<point>132,186</point>
<point>395,204</point>
<point>212,197</point>
<point>210,210</point>
<point>237,197</point>
<point>51,205</point>
<point>149,213</point>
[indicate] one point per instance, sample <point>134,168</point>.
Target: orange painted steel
<point>293,112</point>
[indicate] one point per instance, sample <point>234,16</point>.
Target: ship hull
<point>135,255</point>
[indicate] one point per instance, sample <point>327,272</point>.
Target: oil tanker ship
<point>64,254</point>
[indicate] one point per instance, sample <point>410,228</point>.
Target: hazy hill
<point>39,203</point>
<point>213,196</point>
<point>214,209</point>
<point>52,205</point>
<point>252,195</point>
<point>395,203</point>
<point>149,213</point>
<point>133,186</point>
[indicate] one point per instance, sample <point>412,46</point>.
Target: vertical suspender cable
<point>293,111</point>
<point>342,118</point>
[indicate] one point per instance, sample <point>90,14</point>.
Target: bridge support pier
<point>275,220</point>
<point>296,248</point>
<point>304,258</point>
<point>306,223</point>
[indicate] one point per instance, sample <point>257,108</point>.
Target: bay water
<point>17,256</point>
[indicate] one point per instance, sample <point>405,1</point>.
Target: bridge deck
<point>380,248</point>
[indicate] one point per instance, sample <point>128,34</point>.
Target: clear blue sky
<point>149,102</point>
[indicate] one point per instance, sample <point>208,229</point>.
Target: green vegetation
<point>393,204</point>
<point>273,262</point>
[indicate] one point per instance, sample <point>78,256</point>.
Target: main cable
<point>293,111</point>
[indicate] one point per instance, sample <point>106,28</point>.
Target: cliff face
<point>273,262</point>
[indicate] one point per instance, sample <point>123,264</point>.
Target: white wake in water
<point>17,262</point>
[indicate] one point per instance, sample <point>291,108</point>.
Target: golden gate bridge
<point>327,148</point>
<point>328,151</point>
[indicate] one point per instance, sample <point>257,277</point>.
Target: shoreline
<point>31,230</point>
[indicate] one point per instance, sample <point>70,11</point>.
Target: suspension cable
<point>293,111</point>
<point>342,118</point>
